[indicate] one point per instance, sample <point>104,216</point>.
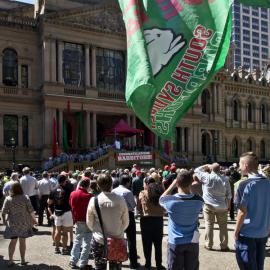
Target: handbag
<point>115,249</point>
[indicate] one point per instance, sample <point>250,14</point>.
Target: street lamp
<point>13,149</point>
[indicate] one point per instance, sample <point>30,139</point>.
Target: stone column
<point>94,129</point>
<point>60,135</point>
<point>53,60</point>
<point>29,76</point>
<point>217,98</point>
<point>20,135</point>
<point>47,127</point>
<point>46,60</point>
<point>191,142</point>
<point>1,130</point>
<point>94,66</point>
<point>257,118</point>
<point>243,117</point>
<point>128,119</point>
<point>229,115</point>
<point>19,75</point>
<point>30,130</point>
<point>87,66</point>
<point>87,125</point>
<point>134,138</point>
<point>60,61</point>
<point>1,71</point>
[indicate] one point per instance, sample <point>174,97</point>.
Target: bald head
<point>215,167</point>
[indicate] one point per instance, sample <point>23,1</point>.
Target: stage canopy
<point>123,129</point>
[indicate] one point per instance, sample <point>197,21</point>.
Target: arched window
<point>10,67</point>
<point>235,148</point>
<point>263,114</point>
<point>249,145</point>
<point>205,144</point>
<point>235,111</point>
<point>206,102</point>
<point>262,149</point>
<point>249,112</point>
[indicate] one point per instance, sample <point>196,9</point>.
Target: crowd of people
<point>88,156</point>
<point>102,206</point>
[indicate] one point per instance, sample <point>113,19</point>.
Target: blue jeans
<point>82,239</point>
<point>250,253</point>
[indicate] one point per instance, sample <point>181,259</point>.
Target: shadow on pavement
<point>4,266</point>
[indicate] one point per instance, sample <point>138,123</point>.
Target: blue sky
<point>27,1</point>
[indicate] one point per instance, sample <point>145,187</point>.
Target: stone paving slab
<point>40,252</point>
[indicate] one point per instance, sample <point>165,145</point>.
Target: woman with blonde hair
<point>18,217</point>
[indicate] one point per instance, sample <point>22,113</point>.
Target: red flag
<point>54,138</point>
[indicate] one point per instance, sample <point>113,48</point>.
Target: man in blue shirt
<point>183,210</point>
<point>253,218</point>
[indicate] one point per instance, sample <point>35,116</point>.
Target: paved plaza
<point>40,252</point>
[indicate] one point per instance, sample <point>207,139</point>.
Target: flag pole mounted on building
<point>175,47</point>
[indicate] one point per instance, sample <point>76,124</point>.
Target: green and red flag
<point>175,47</point>
<point>258,3</point>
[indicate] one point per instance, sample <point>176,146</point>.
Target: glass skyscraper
<point>250,36</point>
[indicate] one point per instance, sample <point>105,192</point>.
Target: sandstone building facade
<point>71,56</point>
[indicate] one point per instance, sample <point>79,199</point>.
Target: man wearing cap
<point>170,177</point>
<point>30,185</point>
<point>166,171</point>
<point>216,195</point>
<point>59,198</point>
<point>78,201</point>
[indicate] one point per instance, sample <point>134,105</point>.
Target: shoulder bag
<point>115,248</point>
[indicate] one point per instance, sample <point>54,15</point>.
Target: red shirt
<point>78,201</point>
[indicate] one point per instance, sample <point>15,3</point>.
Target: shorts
<point>64,220</point>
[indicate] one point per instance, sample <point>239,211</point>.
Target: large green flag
<point>174,49</point>
<point>258,3</point>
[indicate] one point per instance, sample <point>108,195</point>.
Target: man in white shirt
<point>123,191</point>
<point>29,185</point>
<point>44,188</point>
<point>216,195</point>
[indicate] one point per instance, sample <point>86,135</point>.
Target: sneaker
<point>57,250</point>
<point>72,265</point>
<point>134,266</point>
<point>225,249</point>
<point>86,267</point>
<point>35,229</point>
<point>65,251</point>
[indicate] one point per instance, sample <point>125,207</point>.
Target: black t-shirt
<point>169,179</point>
<point>60,197</point>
